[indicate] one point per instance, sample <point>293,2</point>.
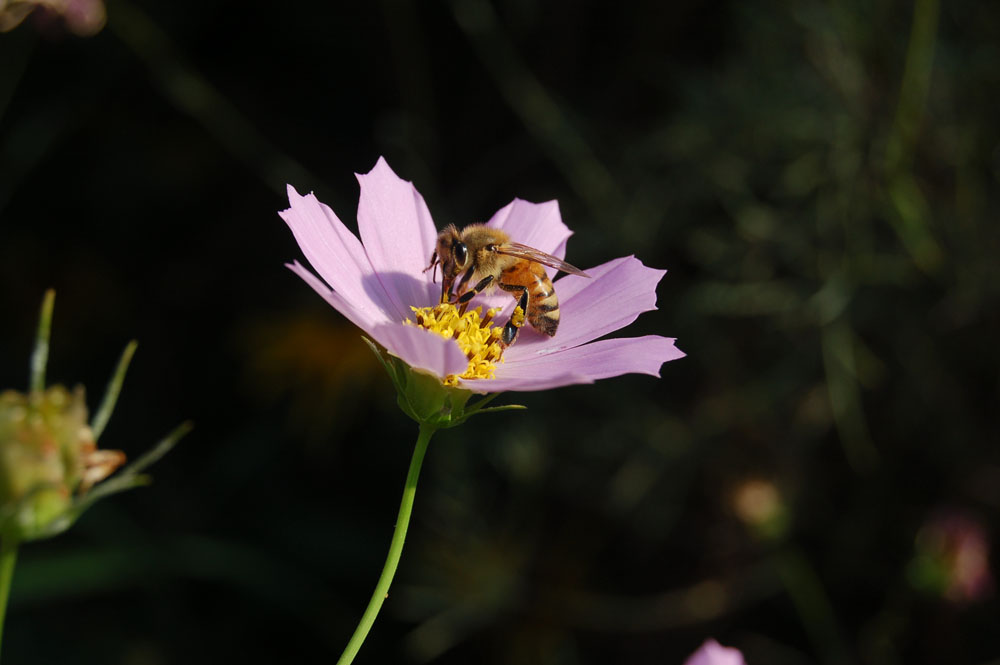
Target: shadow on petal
<point>404,290</point>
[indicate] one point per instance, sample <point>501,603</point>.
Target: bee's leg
<point>460,287</point>
<point>469,295</point>
<point>510,330</point>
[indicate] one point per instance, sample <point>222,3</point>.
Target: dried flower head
<point>51,468</point>
<point>48,457</point>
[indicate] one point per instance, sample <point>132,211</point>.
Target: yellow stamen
<point>478,339</point>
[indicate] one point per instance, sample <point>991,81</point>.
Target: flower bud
<point>48,457</point>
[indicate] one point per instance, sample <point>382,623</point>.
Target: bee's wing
<point>532,254</point>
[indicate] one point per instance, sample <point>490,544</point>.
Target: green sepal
<point>426,396</point>
<point>425,399</point>
<point>131,476</point>
<point>496,409</point>
<point>389,367</point>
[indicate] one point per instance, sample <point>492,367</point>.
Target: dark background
<point>821,180</point>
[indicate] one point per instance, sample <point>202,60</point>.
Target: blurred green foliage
<point>821,180</point>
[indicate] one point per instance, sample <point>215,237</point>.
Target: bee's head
<point>452,253</point>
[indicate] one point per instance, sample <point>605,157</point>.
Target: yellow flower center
<point>474,333</point>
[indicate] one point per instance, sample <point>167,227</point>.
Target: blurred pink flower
<point>953,557</point>
<point>81,17</point>
<point>375,281</point>
<point>713,653</point>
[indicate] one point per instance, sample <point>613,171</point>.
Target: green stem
<point>8,557</point>
<point>395,548</point>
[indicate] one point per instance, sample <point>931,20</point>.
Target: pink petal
<point>365,318</point>
<point>537,225</point>
<point>582,364</point>
<point>713,653</point>
<point>337,255</point>
<point>614,296</point>
<point>398,234</point>
<point>421,348</point>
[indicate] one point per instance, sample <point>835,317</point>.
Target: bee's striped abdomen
<point>543,304</point>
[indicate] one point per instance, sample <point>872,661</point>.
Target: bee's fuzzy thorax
<point>480,258</point>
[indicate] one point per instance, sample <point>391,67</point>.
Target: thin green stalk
<point>40,357</point>
<point>8,557</point>
<point>812,603</point>
<point>913,219</point>
<point>114,389</point>
<point>395,548</point>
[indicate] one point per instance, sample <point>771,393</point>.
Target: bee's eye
<point>461,253</point>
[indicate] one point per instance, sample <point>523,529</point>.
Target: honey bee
<point>490,258</point>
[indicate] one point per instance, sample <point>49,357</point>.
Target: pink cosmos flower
<point>376,280</point>
<point>713,653</point>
